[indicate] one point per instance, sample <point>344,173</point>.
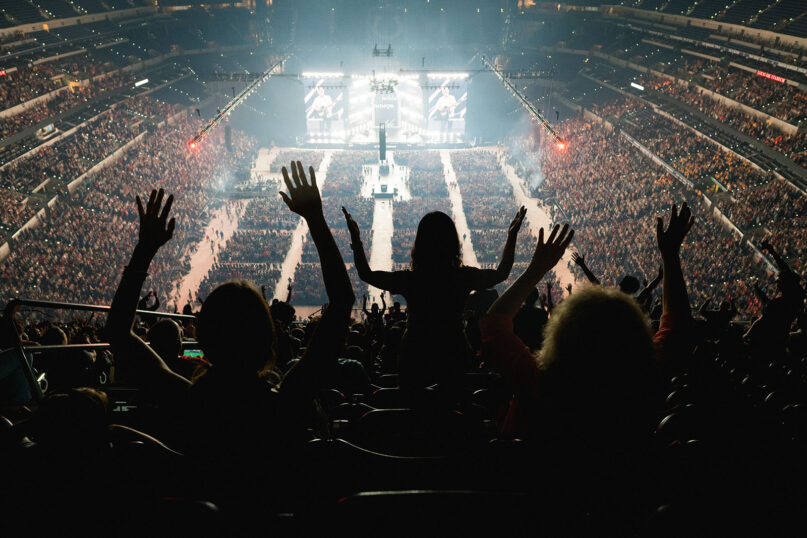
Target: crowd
<point>26,83</point>
<point>61,102</point>
<point>257,249</point>
<point>62,257</point>
<point>71,155</point>
<point>613,188</point>
<point>256,246</point>
<point>13,212</point>
<point>682,398</point>
<point>781,100</point>
<point>757,203</point>
<point>794,146</point>
<point>311,158</point>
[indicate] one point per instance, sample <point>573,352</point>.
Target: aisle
<point>295,253</point>
<point>537,218</point>
<point>225,220</point>
<point>381,247</point>
<point>468,254</point>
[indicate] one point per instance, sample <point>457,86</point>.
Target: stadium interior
<point>403,267</point>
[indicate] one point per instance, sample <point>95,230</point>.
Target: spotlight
<point>192,144</point>
<point>561,145</point>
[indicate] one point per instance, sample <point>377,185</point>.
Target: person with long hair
<point>235,413</point>
<point>436,286</point>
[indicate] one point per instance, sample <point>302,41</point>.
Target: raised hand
<point>578,259</point>
<point>303,197</point>
<point>515,225</point>
<point>352,228</point>
<point>154,232</point>
<point>549,253</point>
<point>669,241</point>
<point>569,288</point>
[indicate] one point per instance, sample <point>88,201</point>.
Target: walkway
<point>381,247</point>
<point>468,254</point>
<point>224,220</point>
<point>537,217</point>
<point>300,234</point>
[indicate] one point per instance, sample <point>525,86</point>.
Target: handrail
<point>186,344</point>
<point>26,364</point>
<point>12,304</point>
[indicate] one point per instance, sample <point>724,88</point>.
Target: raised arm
<point>364,306</point>
<point>546,256</point>
<point>383,304</point>
<point>674,295</point>
<point>644,297</point>
<point>487,278</point>
<point>385,280</point>
<point>704,307</point>
<point>761,295</point>
<point>581,262</point>
<point>132,354</point>
<point>308,376</point>
<point>509,252</point>
<point>780,263</point>
<point>549,302</point>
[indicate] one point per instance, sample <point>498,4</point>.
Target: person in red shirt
<point>598,350</point>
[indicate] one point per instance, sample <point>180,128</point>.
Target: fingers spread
<point>301,174</point>
<point>553,234</point>
<point>568,240</point>
<point>562,235</point>
<point>167,208</point>
<point>286,179</point>
<point>158,202</point>
<point>294,175</point>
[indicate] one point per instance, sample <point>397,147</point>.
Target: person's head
<point>437,245</point>
<point>53,336</point>
<point>532,297</point>
<point>444,90</point>
<point>374,308</point>
<point>320,90</point>
<point>629,285</point>
<point>597,355</point>
<point>396,306</point>
<point>73,419</point>
<point>165,337</point>
<point>235,329</point>
<point>282,312</point>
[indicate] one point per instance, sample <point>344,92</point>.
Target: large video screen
<point>414,108</point>
<point>325,106</point>
<point>448,98</point>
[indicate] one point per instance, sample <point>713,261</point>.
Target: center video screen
<point>325,106</point>
<point>448,98</point>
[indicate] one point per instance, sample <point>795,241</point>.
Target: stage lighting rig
<point>387,53</point>
<point>383,86</point>
<point>236,100</point>
<point>535,113</point>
